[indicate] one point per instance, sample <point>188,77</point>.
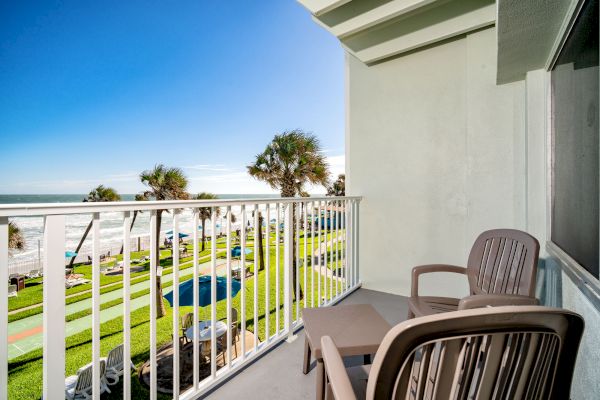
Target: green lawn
<point>25,372</point>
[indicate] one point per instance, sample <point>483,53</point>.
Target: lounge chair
<point>115,365</point>
<point>509,352</point>
<point>12,291</point>
<point>80,386</point>
<point>501,270</point>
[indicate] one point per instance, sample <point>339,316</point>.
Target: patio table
<point>356,329</point>
<point>204,330</point>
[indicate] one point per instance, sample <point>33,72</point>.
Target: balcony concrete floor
<point>278,375</point>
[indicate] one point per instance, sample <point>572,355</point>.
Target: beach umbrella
<point>273,220</point>
<point>181,235</point>
<point>70,254</point>
<point>237,251</point>
<point>186,291</point>
<point>199,227</point>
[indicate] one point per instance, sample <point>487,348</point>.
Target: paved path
<point>25,335</point>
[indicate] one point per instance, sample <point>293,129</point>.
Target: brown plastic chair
<point>502,266</point>
<point>509,352</point>
<point>187,321</point>
<point>234,334</point>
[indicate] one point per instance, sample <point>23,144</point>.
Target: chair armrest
<point>425,269</point>
<point>496,300</point>
<point>335,370</point>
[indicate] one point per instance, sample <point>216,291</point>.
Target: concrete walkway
<point>25,335</point>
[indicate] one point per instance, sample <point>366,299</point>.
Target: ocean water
<point>111,225</point>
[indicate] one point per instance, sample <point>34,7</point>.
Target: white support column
<point>3,308</point>
<point>357,247</point>
<point>319,261</point>
<point>153,294</point>
<point>175,247</point>
<point>54,307</point>
<point>96,307</point>
<point>288,270</point>
<point>126,305</point>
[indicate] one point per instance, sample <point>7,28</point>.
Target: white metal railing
<point>319,239</point>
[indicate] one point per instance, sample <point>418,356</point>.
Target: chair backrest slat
<point>503,261</point>
<point>491,353</point>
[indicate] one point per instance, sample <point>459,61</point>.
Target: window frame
<point>582,278</point>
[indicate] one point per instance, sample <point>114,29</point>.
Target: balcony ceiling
<point>375,30</point>
<point>527,34</point>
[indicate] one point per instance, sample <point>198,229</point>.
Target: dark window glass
<point>575,142</point>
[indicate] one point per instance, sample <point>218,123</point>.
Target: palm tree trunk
<point>87,231</point>
<point>160,303</point>
<point>130,228</point>
<point>203,233</point>
<point>261,250</point>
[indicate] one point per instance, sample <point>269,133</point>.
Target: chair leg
<point>411,315</point>
<point>306,364</point>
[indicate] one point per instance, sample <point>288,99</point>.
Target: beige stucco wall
<point>438,151</point>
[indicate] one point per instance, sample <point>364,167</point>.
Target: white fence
<point>315,253</point>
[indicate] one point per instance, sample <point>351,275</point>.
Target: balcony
<point>311,247</point>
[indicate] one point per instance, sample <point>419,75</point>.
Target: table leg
<point>320,380</point>
<point>306,365</point>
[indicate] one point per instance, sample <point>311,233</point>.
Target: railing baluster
<point>196,301</point>
<point>54,307</point>
<point>175,247</point>
<point>320,260</point>
<point>153,297</point>
<point>288,269</point>
<point>297,255</point>
<point>229,278</point>
<point>305,260</point>
<point>213,295</point>
<point>331,264</point>
<point>312,254</point>
<point>243,283</point>
<point>337,248</point>
<point>96,307</point>
<point>277,267</point>
<point>4,308</point>
<point>267,271</point>
<point>256,257</point>
<point>345,236</point>
<point>126,305</point>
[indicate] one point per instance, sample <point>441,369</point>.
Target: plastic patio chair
<point>12,291</point>
<point>501,270</point>
<point>79,386</point>
<point>234,334</point>
<point>115,365</point>
<point>509,352</point>
<point>187,321</point>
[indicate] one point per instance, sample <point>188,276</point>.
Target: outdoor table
<point>356,329</point>
<point>204,330</point>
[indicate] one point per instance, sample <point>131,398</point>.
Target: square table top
<point>356,329</point>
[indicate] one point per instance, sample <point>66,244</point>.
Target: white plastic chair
<point>115,365</point>
<point>12,291</point>
<point>80,386</point>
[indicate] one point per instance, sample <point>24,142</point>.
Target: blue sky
<point>93,92</point>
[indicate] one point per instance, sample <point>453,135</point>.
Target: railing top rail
<point>42,209</point>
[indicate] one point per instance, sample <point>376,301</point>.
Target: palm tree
<point>338,188</point>
<point>205,213</point>
<point>15,237</point>
<point>164,183</point>
<point>99,194</point>
<point>292,160</point>
<point>138,197</point>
